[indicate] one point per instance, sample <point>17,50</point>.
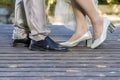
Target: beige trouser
<point>30,18</point>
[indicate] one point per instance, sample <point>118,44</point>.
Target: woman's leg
<point>81,24</point>
<point>96,20</point>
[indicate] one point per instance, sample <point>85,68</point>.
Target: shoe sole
<point>35,48</point>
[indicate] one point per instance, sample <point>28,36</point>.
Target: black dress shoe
<point>26,42</point>
<point>46,44</point>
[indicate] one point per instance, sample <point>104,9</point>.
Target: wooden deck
<point>79,63</point>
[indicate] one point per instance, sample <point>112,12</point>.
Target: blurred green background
<point>9,4</point>
<point>108,7</point>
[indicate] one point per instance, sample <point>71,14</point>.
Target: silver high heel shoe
<point>106,26</point>
<point>87,36</point>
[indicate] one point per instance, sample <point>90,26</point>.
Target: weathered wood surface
<point>79,63</point>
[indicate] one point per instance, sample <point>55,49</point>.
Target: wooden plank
<point>79,63</point>
<point>112,70</point>
<point>61,58</point>
<point>60,78</point>
<point>83,53</point>
<point>96,55</point>
<point>59,65</point>
<point>59,74</point>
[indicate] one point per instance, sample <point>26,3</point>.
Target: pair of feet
<point>42,45</point>
<point>100,33</point>
<point>97,28</point>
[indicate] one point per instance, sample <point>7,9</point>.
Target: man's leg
<point>36,18</point>
<point>20,26</point>
<point>21,30</point>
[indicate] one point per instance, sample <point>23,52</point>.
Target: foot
<point>77,35</point>
<point>98,28</point>
<point>101,39</point>
<point>46,44</point>
<point>26,42</point>
<point>85,37</point>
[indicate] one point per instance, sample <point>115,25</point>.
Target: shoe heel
<point>89,43</point>
<point>111,28</point>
